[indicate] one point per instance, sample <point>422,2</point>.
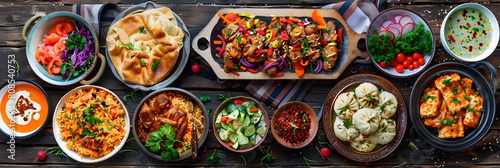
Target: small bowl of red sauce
<point>294,125</point>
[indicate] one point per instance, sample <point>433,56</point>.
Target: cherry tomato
<point>393,62</point>
<point>416,55</point>
<point>406,63</point>
<point>410,59</point>
<point>230,143</point>
<point>415,64</point>
<point>400,68</point>
<point>421,61</point>
<point>382,64</point>
<point>411,67</point>
<point>239,101</point>
<point>400,57</point>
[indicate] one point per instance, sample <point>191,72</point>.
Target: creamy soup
<point>468,32</point>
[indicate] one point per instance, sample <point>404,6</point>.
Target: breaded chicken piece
<point>437,121</point>
<point>452,93</point>
<point>430,102</point>
<point>453,130</point>
<point>473,113</point>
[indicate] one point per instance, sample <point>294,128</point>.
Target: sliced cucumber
<point>246,146</point>
<point>249,130</point>
<point>235,145</point>
<point>255,119</point>
<point>217,125</point>
<point>242,116</point>
<point>252,137</point>
<point>247,121</point>
<point>242,139</point>
<point>233,137</point>
<point>230,107</point>
<point>233,115</point>
<point>257,139</point>
<point>252,103</point>
<point>218,118</point>
<point>230,128</point>
<point>252,142</point>
<point>223,135</point>
<point>261,131</point>
<point>224,125</point>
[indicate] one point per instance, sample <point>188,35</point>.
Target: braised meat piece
<point>295,54</point>
<point>230,32</point>
<point>146,116</point>
<point>297,39</point>
<point>313,54</point>
<point>314,40</point>
<point>329,36</point>
<point>311,29</point>
<point>331,52</point>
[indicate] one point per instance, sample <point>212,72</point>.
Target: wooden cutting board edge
<point>279,12</point>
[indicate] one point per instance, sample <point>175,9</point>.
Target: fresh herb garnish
<point>347,123</point>
<point>467,97</point>
<point>294,127</point>
<point>205,98</point>
<point>221,98</point>
<point>131,95</point>
<point>131,47</point>
<point>155,141</point>
<point>127,150</point>
<point>215,158</point>
<point>305,117</point>
<point>427,96</point>
<point>143,63</point>
<point>155,64</point>
<point>447,82</point>
<point>269,156</point>
<point>456,100</point>
<point>308,160</point>
<point>56,150</point>
<point>75,40</point>
<point>370,97</point>
<point>455,91</point>
<point>465,87</point>
<point>244,159</point>
<point>142,30</point>
<point>472,110</point>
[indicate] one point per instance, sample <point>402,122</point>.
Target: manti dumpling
<point>386,131</point>
<point>367,95</point>
<point>364,143</point>
<point>346,105</point>
<point>144,47</point>
<point>366,120</point>
<point>387,104</point>
<point>343,133</point>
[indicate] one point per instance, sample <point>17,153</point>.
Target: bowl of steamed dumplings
<point>365,117</point>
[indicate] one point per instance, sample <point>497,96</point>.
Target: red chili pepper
<point>296,45</point>
<point>285,36</point>
<point>239,101</point>
<point>282,24</point>
<point>451,38</point>
<point>340,36</point>
<point>275,31</point>
<point>223,119</point>
<point>261,32</point>
<point>290,22</point>
<point>300,24</point>
<point>229,120</point>
<point>281,73</point>
<point>241,26</point>
<point>254,110</point>
<point>324,43</point>
<point>245,36</point>
<point>269,51</point>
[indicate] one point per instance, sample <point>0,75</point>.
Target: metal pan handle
<point>485,64</point>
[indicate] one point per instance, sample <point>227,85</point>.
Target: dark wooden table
<point>196,14</point>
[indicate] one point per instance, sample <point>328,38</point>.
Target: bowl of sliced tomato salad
<point>62,49</point>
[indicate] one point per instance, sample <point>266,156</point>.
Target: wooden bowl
<point>312,131</point>
<point>223,106</point>
<point>400,117</point>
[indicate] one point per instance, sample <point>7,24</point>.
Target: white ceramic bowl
<point>494,26</point>
<point>389,14</point>
<point>62,143</point>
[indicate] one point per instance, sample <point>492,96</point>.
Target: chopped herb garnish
<point>456,100</point>
<point>142,30</point>
<point>447,82</point>
<point>144,63</point>
<point>155,64</point>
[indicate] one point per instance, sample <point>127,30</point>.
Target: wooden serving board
<point>349,50</point>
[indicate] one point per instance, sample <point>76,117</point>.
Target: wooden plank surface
<point>15,13</point>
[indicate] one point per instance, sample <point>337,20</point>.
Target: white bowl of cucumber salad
<point>241,124</point>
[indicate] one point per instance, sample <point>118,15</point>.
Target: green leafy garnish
<point>419,40</point>
<point>308,160</point>
<point>215,158</point>
<point>427,96</point>
<point>456,100</point>
<point>127,150</point>
<point>326,31</point>
<point>131,95</point>
<point>347,123</point>
<point>446,82</point>
<point>455,91</point>
<point>472,110</point>
<point>465,87</point>
<point>467,97</point>
<point>155,64</point>
<point>75,40</point>
<point>56,150</point>
<point>131,47</point>
<point>142,30</point>
<point>294,127</point>
<point>156,140</point>
<point>221,98</point>
<point>269,156</point>
<point>205,98</point>
<point>371,99</point>
<point>239,39</point>
<point>244,159</point>
<point>143,63</point>
<point>448,122</point>
<point>305,117</point>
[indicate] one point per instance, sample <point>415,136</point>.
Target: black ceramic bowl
<point>472,135</point>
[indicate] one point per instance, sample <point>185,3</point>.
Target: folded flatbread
<point>144,47</point>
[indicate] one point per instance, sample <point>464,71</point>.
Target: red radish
<point>387,32</point>
<point>386,23</point>
<point>406,19</point>
<point>396,25</point>
<point>408,27</point>
<point>40,155</point>
<point>195,68</point>
<point>325,152</point>
<point>397,18</point>
<point>397,32</point>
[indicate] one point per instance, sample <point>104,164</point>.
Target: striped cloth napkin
<point>358,15</point>
<point>95,13</point>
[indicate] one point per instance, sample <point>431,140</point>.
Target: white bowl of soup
<point>469,32</point>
